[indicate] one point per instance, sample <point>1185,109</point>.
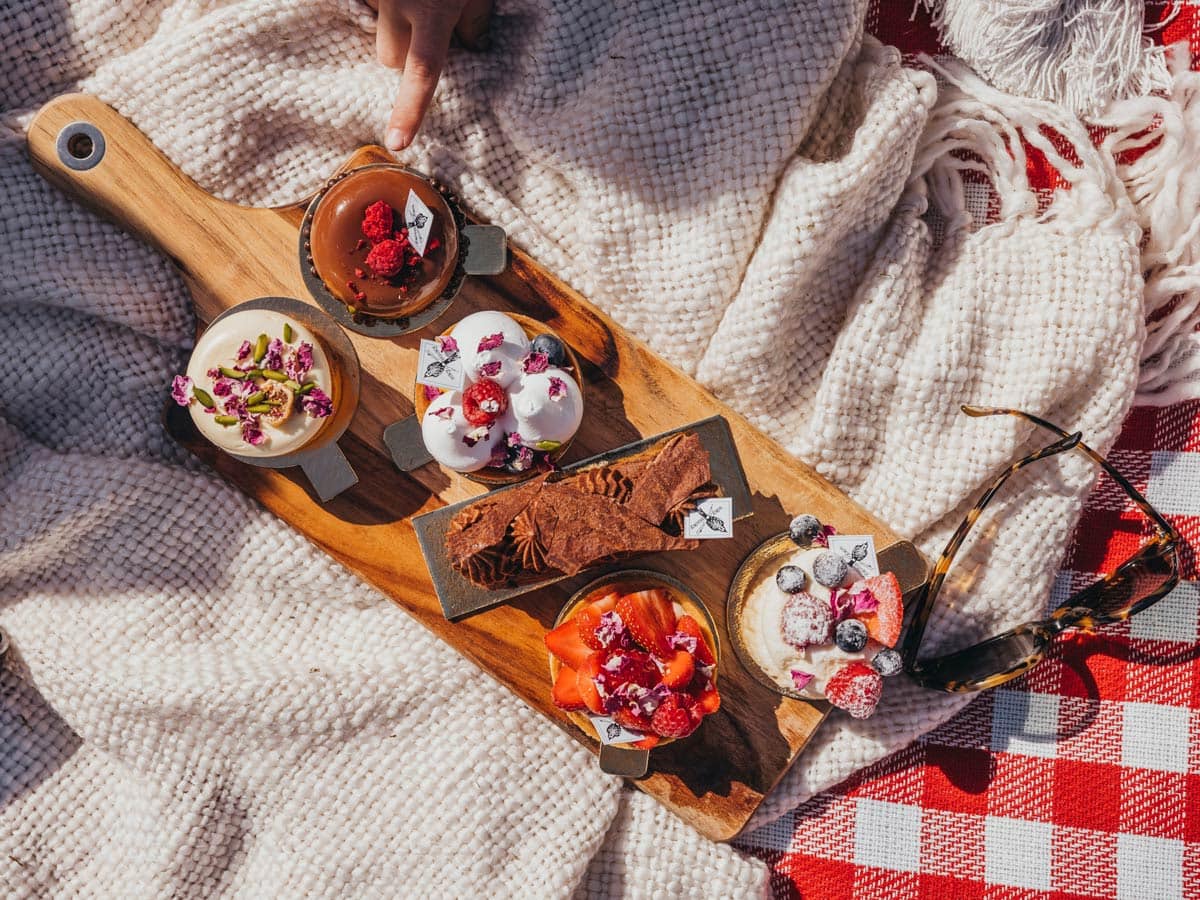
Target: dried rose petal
<point>431,393</point>
<point>213,373</point>
<point>235,406</point>
<point>491,369</point>
<point>523,460</point>
<point>181,390</point>
<point>491,342</point>
<point>558,388</point>
<point>245,350</point>
<point>841,604</point>
<point>822,539</point>
<point>653,698</point>
<point>252,432</point>
<point>243,386</point>
<point>514,439</point>
<point>864,601</point>
<point>446,343</point>
<point>317,403</point>
<point>535,362</point>
<point>446,412</point>
<point>274,357</point>
<point>611,629</point>
<point>800,679</point>
<point>681,641</point>
<point>475,435</point>
<point>223,387</point>
<point>299,362</point>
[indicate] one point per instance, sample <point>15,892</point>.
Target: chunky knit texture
<point>199,701</point>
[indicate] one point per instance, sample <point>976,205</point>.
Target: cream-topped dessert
<point>816,626</point>
<point>258,384</point>
<point>519,404</point>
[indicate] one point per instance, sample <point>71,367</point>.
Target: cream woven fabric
<point>202,703</point>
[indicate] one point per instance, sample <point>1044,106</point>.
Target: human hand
<point>414,35</point>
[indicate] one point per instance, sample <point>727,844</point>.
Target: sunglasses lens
<point>1138,581</point>
<point>986,665</point>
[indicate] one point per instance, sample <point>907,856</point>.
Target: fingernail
<point>396,139</point>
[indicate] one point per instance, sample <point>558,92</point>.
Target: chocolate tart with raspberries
<point>384,249</point>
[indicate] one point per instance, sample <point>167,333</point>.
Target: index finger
<point>422,68</point>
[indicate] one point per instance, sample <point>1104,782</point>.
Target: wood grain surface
<point>227,254</point>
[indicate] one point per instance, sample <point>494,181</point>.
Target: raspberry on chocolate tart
<point>385,242</point>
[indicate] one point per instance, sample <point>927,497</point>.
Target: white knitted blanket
<point>199,702</point>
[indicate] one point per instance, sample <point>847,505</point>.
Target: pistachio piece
<point>256,397</point>
<point>292,386</point>
<point>233,373</point>
<point>260,348</point>
<point>258,408</point>
<point>287,333</point>
<point>274,375</point>
<point>225,420</point>
<point>204,397</point>
<point>305,388</point>
<point>549,446</point>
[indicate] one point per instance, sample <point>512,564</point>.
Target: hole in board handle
<point>80,146</point>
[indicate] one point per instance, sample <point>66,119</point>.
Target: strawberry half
<point>678,669</point>
<point>585,682</point>
<point>675,717</point>
<point>704,692</point>
<point>588,619</point>
<point>884,623</point>
<point>689,626</point>
<point>564,642</point>
<point>627,718</point>
<point>650,618</point>
<point>566,690</point>
<point>856,688</point>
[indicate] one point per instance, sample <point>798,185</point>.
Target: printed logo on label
<point>612,733</point>
<point>440,365</point>
<point>711,519</point>
<point>418,219</point>
<point>859,550</point>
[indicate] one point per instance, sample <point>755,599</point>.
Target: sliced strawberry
<point>566,690</point>
<point>649,742</point>
<point>585,681</point>
<point>675,717</point>
<point>565,643</point>
<point>856,688</point>
<point>689,626</point>
<point>704,692</point>
<point>628,667</point>
<point>884,623</point>
<point>588,619</point>
<point>627,718</point>
<point>650,618</point>
<point>678,669</point>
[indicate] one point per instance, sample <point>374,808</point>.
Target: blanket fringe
<point>1156,142</point>
<point>1080,53</point>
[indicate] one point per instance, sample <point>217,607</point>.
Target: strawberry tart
<point>639,652</point>
<point>815,627</point>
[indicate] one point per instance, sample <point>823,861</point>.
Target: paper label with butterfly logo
<point>859,550</point>
<point>440,365</point>
<point>612,733</point>
<point>418,219</point>
<point>711,519</point>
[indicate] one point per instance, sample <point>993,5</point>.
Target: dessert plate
<point>227,254</point>
<point>460,597</point>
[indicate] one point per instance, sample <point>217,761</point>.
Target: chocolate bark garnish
<point>607,481</point>
<point>673,524</point>
<point>529,551</point>
<point>485,523</point>
<point>678,469</point>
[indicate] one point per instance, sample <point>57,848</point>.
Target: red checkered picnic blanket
<point>1081,779</point>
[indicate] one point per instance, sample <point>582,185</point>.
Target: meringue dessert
<point>817,628</point>
<point>258,384</point>
<point>385,242</point>
<point>519,406</point>
<point>640,652</point>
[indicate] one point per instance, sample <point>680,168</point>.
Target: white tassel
<point>1163,184</point>
<point>1080,53</point>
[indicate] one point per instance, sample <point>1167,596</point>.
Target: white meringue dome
<point>539,416</point>
<point>474,328</point>
<point>444,435</point>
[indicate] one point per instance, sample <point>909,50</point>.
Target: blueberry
<point>887,662</point>
<point>791,579</point>
<point>804,529</point>
<point>851,635</point>
<point>552,347</point>
<point>830,569</point>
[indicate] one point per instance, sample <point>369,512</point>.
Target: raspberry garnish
<point>386,258</point>
<point>484,402</point>
<point>377,222</point>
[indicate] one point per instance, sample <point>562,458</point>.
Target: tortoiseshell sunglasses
<point>1135,585</point>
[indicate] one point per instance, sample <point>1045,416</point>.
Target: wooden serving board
<point>228,254</point>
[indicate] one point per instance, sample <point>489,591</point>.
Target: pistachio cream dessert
<point>258,384</point>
